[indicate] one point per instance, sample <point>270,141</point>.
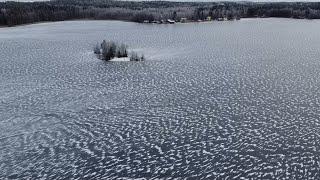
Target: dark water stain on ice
<point>222,100</point>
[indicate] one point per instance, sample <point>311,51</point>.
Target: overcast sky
<point>203,0</point>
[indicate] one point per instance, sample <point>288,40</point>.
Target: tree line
<point>15,13</point>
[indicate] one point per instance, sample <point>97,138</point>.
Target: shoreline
<point>189,22</point>
<point>15,14</point>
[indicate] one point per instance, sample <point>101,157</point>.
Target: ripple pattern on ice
<point>234,102</point>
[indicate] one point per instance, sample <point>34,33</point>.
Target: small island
<point>113,51</point>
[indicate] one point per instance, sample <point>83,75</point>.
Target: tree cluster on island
<point>15,13</point>
<point>109,50</point>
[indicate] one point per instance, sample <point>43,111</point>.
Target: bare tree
<point>135,57</point>
<point>122,51</point>
<point>108,50</point>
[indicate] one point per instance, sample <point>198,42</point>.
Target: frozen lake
<point>220,100</point>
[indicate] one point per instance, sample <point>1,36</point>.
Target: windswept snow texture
<point>221,100</point>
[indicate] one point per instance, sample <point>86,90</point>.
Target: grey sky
<point>211,0</point>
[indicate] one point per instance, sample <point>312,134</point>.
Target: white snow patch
<point>124,59</point>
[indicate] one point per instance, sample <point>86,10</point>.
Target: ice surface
<point>222,100</point>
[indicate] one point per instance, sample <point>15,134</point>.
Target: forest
<point>16,13</point>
